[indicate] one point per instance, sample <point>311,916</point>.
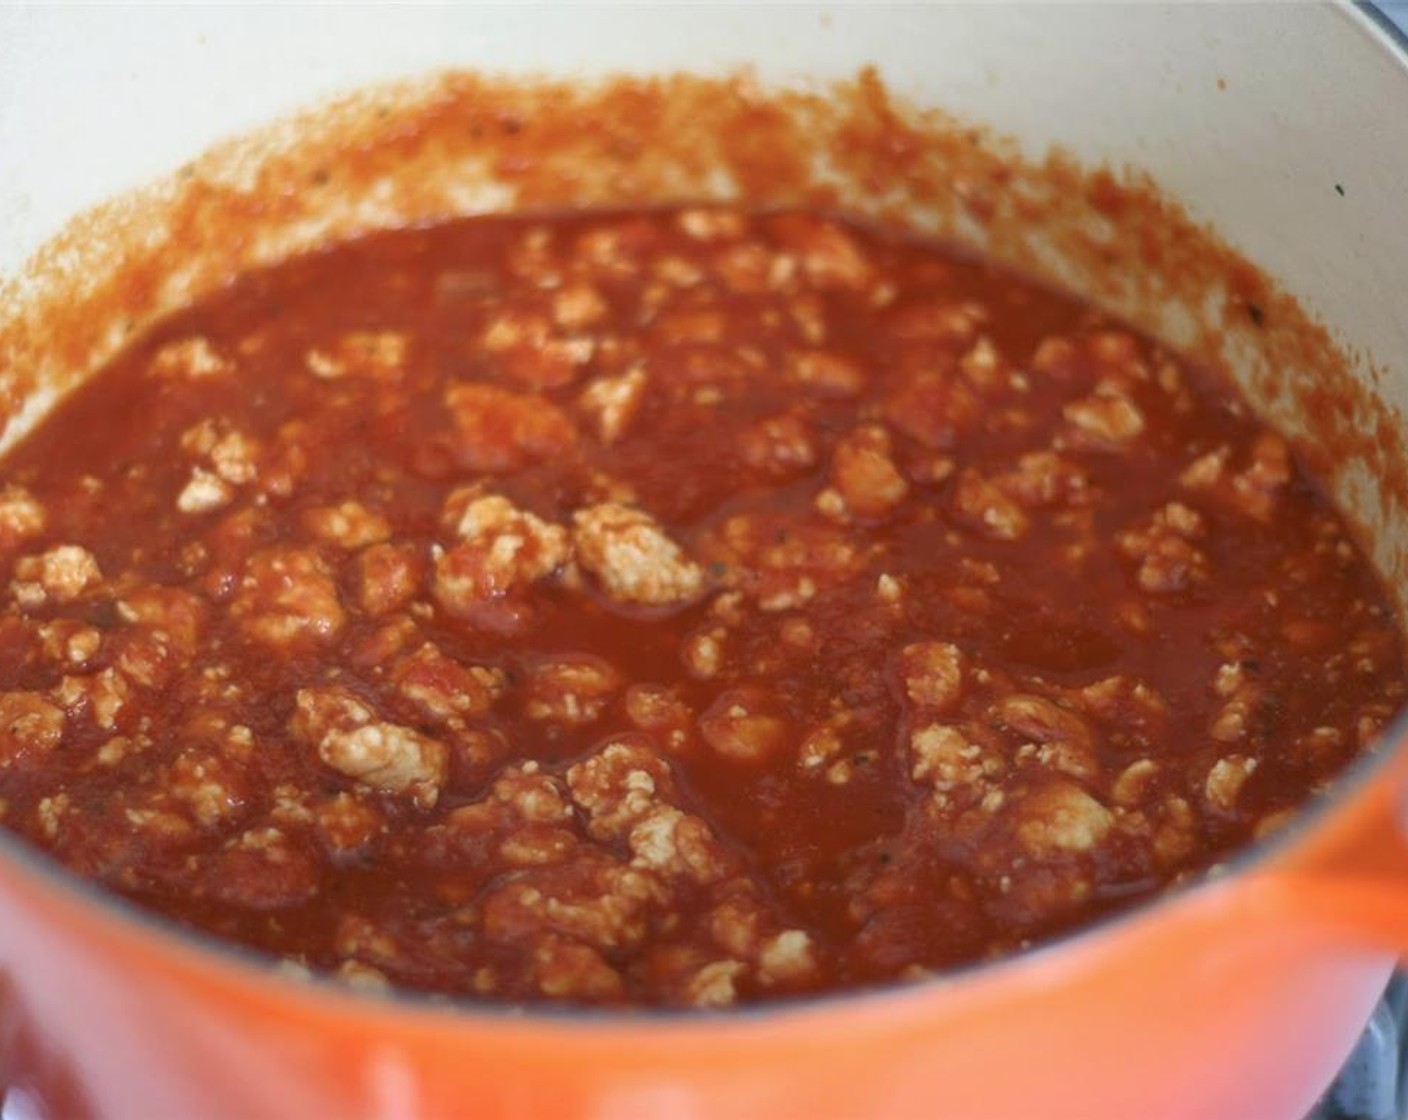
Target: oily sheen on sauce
<point>675,607</point>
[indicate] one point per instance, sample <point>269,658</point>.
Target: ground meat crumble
<point>673,608</point>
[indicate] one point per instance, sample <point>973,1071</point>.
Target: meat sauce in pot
<point>664,607</point>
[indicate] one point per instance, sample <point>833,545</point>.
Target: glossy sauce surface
<point>676,607</point>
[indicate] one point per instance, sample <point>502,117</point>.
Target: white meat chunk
<point>22,515</point>
<point>633,557</point>
<point>503,549</point>
<point>62,574</point>
<point>382,755</point>
<point>1062,818</point>
<point>612,403</point>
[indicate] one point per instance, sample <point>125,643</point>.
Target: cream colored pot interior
<point>1245,115</point>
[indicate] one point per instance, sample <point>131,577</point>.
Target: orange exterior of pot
<point>1236,1000</point>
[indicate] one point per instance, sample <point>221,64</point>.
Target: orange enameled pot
<point>1236,997</point>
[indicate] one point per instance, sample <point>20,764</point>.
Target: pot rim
<point>245,965</point>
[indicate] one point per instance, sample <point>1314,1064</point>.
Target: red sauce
<point>664,607</point>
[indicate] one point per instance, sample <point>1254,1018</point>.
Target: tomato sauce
<point>671,607</point>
